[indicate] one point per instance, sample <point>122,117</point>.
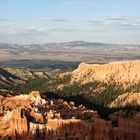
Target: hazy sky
<point>42,21</point>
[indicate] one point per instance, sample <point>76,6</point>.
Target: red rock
<point>29,121</point>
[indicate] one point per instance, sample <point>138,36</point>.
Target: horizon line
<point>62,42</point>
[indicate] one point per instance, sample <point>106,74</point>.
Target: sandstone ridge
<point>124,73</point>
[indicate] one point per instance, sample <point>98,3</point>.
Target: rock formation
<point>126,99</point>
<point>109,84</point>
<point>124,73</point>
<point>31,117</point>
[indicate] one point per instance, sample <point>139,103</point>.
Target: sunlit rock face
<point>124,73</point>
<point>31,117</point>
<point>13,123</point>
<point>125,100</point>
<point>71,129</point>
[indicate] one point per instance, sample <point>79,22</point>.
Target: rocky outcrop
<point>70,129</point>
<point>127,99</point>
<point>102,84</point>
<point>14,122</point>
<point>124,73</point>
<point>31,117</point>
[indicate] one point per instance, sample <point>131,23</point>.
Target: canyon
<point>73,105</point>
<point>32,117</point>
<point>101,84</point>
<point>69,70</point>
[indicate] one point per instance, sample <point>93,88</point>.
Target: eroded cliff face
<point>124,73</point>
<point>31,117</point>
<point>102,84</point>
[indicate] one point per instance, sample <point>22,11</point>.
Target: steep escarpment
<point>99,84</point>
<point>126,73</point>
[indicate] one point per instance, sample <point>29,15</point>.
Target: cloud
<point>102,22</point>
<point>21,30</point>
<point>138,21</point>
<point>116,22</point>
<point>117,18</point>
<point>95,22</point>
<point>131,23</point>
<point>67,30</point>
<point>53,19</point>
<point>130,26</point>
<point>59,20</point>
<point>23,34</point>
<point>2,19</point>
<point>109,20</point>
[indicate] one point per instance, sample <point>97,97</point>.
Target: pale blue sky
<point>43,21</point>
